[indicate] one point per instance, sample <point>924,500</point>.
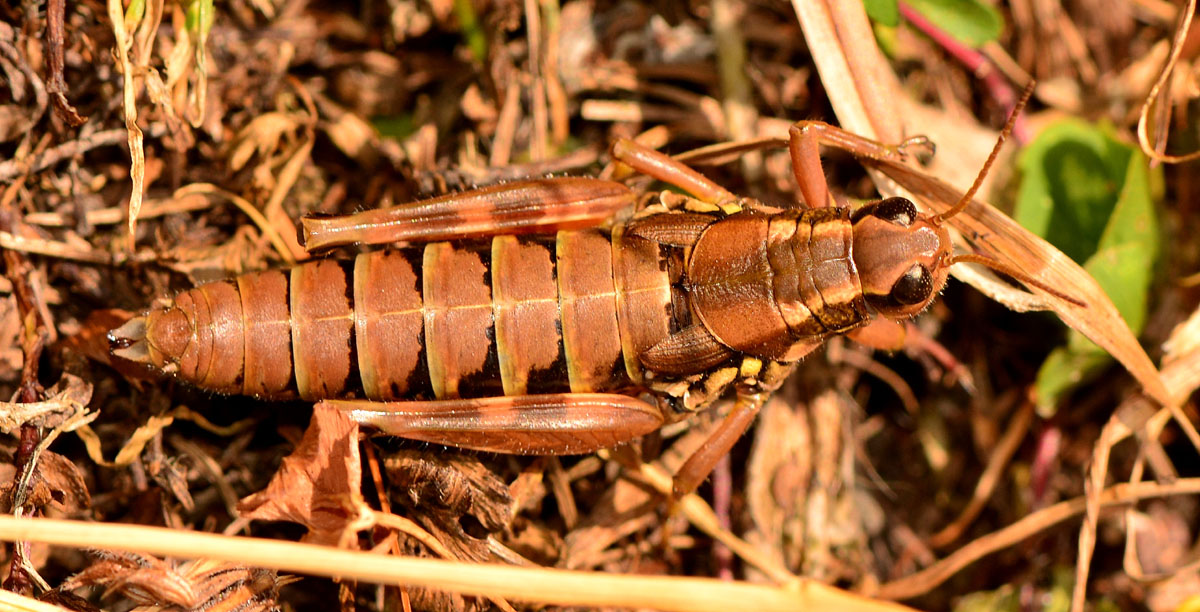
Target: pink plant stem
<point>722,482</point>
<point>1045,460</point>
<point>976,62</point>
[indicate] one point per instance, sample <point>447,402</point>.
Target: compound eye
<point>914,287</point>
<point>900,211</point>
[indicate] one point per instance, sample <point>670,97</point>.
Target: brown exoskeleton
<point>484,334</point>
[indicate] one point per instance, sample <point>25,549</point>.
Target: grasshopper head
<point>903,258</point>
<point>900,256</point>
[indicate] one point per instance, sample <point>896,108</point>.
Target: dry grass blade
<point>852,67</point>
<point>132,449</point>
<point>703,518</point>
<point>1181,364</point>
<point>137,170</point>
<point>549,586</point>
<point>271,231</point>
<point>921,582</point>
<point>20,603</point>
<point>1156,110</point>
<point>1135,416</point>
<point>1014,435</point>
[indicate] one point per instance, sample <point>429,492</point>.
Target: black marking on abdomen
<point>354,383</point>
<point>486,381</point>
<point>419,386</point>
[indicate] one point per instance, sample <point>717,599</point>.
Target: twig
<point>55,17</point>
<point>923,581</point>
<point>46,159</point>
<point>9,52</point>
<point>12,243</point>
<point>998,459</point>
<point>115,215</point>
<point>17,268</point>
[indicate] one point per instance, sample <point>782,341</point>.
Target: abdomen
<point>506,316</point>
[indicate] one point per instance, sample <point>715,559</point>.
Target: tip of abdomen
<point>160,337</point>
<point>129,341</point>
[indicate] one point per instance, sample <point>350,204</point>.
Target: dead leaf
<point>132,448</point>
<point>262,136</point>
<point>57,482</point>
<point>319,484</point>
<point>446,492</point>
<point>194,585</point>
<point>456,482</point>
<point>68,399</point>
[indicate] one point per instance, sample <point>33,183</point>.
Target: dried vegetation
<point>148,147</point>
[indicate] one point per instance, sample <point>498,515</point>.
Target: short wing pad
<point>541,206</point>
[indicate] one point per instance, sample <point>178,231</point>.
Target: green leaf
<point>886,12</point>
<point>134,13</point>
<point>1126,256</point>
<point>1003,599</point>
<point>885,37</point>
<point>971,22</point>
<point>1133,221</point>
<point>1063,370</point>
<point>199,18</point>
<point>1124,271</point>
<point>1093,197</point>
<point>396,127</point>
<point>1071,178</point>
<point>472,31</point>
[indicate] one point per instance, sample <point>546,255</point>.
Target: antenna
<point>1015,273</point>
<point>1008,127</point>
<point>966,199</point>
